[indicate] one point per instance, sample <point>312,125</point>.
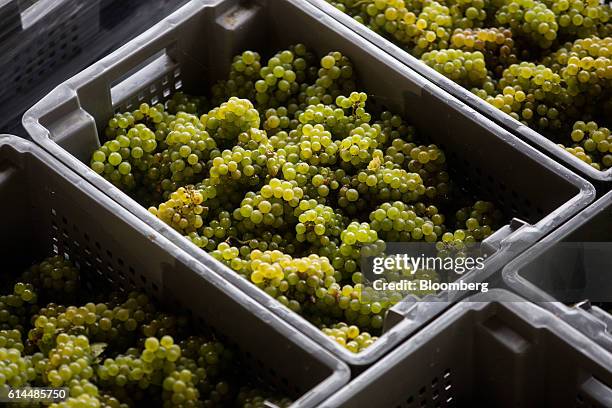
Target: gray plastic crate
<point>171,56</point>
<point>495,350</point>
<point>42,36</point>
<point>52,210</point>
<point>525,132</point>
<point>572,271</point>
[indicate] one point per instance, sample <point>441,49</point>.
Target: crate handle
<point>597,392</point>
<point>94,94</point>
<point>140,77</point>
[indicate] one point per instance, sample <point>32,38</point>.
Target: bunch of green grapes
<point>243,73</point>
<point>350,337</point>
<point>226,122</point>
<point>360,147</point>
<point>530,19</point>
<point>496,44</point>
<point>181,102</point>
<point>433,28</point>
<point>591,144</point>
<point>400,222</point>
<point>533,94</point>
<point>316,145</point>
<point>393,127</point>
<point>467,14</point>
<point>183,211</point>
<point>581,18</point>
<point>475,223</point>
<point>464,67</point>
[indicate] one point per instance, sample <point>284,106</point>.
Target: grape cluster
<point>349,336</point>
<point>298,180</point>
<point>546,63</point>
<point>400,222</point>
<point>464,67</point>
<point>117,352</point>
<point>592,144</point>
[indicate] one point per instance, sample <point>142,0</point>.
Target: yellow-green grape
<point>349,337</point>
<point>587,69</point>
<point>71,358</point>
<point>181,102</point>
<point>429,162</point>
<point>279,119</point>
<point>581,18</point>
<point>357,240</point>
<point>380,184</point>
<point>246,166</point>
<point>230,119</point>
<point>82,400</point>
<point>291,280</point>
<point>591,144</point>
<point>317,224</point>
<point>183,211</point>
<point>530,19</point>
<point>188,148</point>
<point>281,80</point>
<point>272,207</point>
<point>316,145</point>
<point>243,73</point>
<point>400,222</point>
<point>533,94</point>
<point>393,127</point>
<point>466,68</point>
<point>16,369</point>
<point>360,147</point>
<point>474,224</point>
<point>257,398</point>
<point>468,13</point>
<point>119,159</point>
<point>334,78</point>
<point>54,277</point>
<point>433,28</point>
<point>496,44</point>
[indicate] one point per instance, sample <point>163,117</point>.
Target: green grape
<point>530,19</point>
<point>464,67</point>
<point>349,337</point>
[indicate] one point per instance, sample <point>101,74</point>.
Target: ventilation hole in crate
<point>142,278</point>
<point>177,72</point>
<point>166,92</point>
<point>154,100</point>
<point>132,271</point>
<point>86,236</point>
<point>164,80</point>
<point>153,89</point>
<point>178,85</point>
<point>98,245</point>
